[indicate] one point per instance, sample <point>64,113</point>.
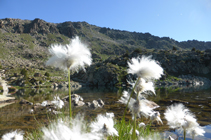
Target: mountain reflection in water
<point>197,99</point>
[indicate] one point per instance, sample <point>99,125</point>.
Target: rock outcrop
<point>113,71</point>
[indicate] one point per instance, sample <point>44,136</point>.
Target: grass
<point>27,39</point>
<point>56,38</point>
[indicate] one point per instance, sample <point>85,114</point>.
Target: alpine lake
<point>18,116</point>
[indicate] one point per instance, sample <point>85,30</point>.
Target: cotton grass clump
<point>179,117</point>
<point>71,56</point>
<point>104,124</point>
<point>14,135</point>
<point>65,129</point>
<point>145,67</point>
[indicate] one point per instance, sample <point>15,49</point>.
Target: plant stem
<point>130,97</point>
<point>184,134</point>
<point>123,118</point>
<point>134,128</point>
<point>70,108</point>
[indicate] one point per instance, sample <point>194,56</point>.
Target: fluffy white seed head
<point>104,124</point>
<point>145,68</point>
<point>15,135</point>
<point>60,130</point>
<point>178,116</point>
<point>72,56</point>
<point>137,106</point>
<point>175,115</point>
<point>155,116</point>
<point>137,132</point>
<point>143,86</point>
<point>198,130</point>
<point>142,124</point>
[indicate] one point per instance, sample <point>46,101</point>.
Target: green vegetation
<point>138,50</point>
<point>174,48</point>
<point>0,66</point>
<point>193,49</point>
<point>24,72</point>
<point>47,74</point>
<point>171,78</point>
<point>56,38</point>
<point>27,39</point>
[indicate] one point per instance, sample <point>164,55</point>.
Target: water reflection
<point>198,100</point>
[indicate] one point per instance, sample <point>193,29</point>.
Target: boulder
<point>94,104</point>
<point>100,102</point>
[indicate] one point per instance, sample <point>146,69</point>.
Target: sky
<point>180,20</point>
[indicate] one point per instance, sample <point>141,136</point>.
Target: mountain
<point>24,45</point>
<point>102,40</point>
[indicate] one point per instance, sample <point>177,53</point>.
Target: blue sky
<point>181,20</point>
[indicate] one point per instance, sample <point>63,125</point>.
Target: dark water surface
<point>17,116</point>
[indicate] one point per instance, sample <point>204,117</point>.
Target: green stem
<point>70,109</point>
<point>193,137</point>
<point>184,134</point>
<point>134,128</point>
<point>130,97</point>
<point>123,118</point>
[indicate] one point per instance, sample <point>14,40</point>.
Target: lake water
<point>198,100</point>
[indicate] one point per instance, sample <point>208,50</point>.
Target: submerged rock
<point>96,103</point>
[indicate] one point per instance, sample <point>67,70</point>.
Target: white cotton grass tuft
<point>155,116</point>
<point>143,87</point>
<point>137,132</point>
<point>145,68</point>
<point>104,124</point>
<point>179,117</point>
<point>72,56</point>
<point>142,124</point>
<point>15,135</point>
<point>175,115</point>
<point>61,130</point>
<point>137,106</point>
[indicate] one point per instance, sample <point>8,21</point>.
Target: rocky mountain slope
<point>24,44</point>
<point>113,70</point>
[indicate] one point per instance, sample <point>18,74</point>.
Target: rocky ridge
<point>195,65</point>
<point>25,43</point>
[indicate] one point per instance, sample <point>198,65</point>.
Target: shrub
<point>24,72</point>
<point>47,74</point>
<point>126,54</point>
<point>193,49</point>
<point>174,48</point>
<point>138,50</point>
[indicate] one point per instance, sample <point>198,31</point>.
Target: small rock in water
<point>100,102</point>
<point>94,104</point>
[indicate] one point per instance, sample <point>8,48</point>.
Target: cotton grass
<point>14,135</point>
<point>70,57</point>
<point>147,70</point>
<point>179,117</point>
<point>145,67</point>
